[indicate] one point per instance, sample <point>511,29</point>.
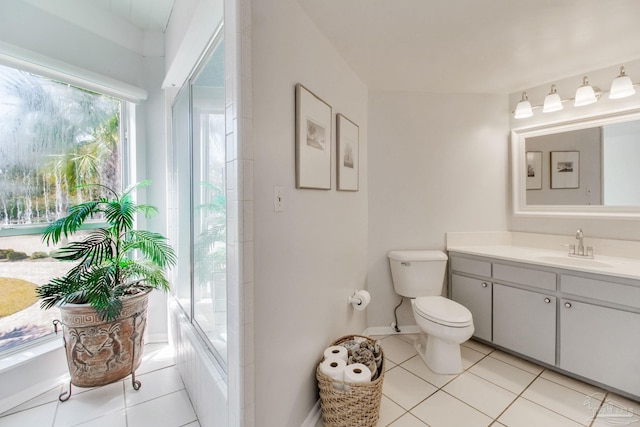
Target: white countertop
<point>620,267</point>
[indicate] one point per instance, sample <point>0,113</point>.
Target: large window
<point>54,139</point>
<point>198,218</point>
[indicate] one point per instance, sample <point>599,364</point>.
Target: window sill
<point>29,353</point>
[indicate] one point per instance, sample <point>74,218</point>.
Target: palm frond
<point>153,246</point>
<point>71,223</point>
<point>147,274</point>
<point>93,249</point>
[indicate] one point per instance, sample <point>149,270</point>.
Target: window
<point>54,137</point>
<point>198,220</point>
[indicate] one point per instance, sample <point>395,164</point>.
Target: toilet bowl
<point>444,325</point>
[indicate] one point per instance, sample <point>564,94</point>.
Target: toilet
<point>444,324</point>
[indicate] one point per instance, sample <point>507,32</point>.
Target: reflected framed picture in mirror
<point>565,169</point>
<point>534,170</point>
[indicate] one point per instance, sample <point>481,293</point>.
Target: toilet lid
<point>442,310</point>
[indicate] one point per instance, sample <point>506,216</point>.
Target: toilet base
<point>442,357</point>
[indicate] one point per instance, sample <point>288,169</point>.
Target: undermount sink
<point>576,262</point>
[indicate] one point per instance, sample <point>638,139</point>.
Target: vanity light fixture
<point>552,102</point>
<point>585,94</point>
<point>622,86</point>
<point>523,109</point>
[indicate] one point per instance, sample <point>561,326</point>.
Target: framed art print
<point>313,140</point>
<point>348,146</point>
<point>565,169</point>
<point>534,170</point>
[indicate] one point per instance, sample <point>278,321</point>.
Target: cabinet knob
<point>484,284</point>
<point>567,304</point>
<point>547,300</point>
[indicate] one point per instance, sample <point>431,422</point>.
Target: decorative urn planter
<point>101,352</point>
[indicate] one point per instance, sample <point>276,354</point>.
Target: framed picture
<point>534,170</point>
<point>348,146</point>
<point>313,140</point>
<point>565,169</point>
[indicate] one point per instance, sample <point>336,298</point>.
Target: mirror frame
<point>518,179</point>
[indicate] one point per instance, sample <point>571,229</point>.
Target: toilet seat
<point>443,311</point>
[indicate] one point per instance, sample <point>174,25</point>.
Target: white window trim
<point>45,66</point>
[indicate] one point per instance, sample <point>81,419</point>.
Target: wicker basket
<point>356,405</point>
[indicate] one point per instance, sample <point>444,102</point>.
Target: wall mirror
<point>580,169</point>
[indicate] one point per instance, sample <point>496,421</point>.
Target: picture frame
<point>313,140</point>
<point>348,154</point>
<point>534,170</point>
<point>565,169</point>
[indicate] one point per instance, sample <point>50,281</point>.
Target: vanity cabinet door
<point>474,294</point>
<point>601,343</point>
<point>525,322</point>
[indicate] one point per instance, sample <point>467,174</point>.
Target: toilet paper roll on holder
<point>359,300</point>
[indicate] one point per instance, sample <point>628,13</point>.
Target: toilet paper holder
<point>360,299</point>
<point>356,299</point>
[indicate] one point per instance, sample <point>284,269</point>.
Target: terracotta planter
<point>100,352</point>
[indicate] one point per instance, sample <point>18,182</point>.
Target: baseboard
<point>157,338</point>
<point>314,416</point>
<point>388,330</point>
<point>24,395</point>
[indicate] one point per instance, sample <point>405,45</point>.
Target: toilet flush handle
<point>406,263</point>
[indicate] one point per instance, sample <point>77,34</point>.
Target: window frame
<point>89,81</point>
<point>189,309</point>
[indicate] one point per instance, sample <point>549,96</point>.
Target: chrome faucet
<point>580,249</point>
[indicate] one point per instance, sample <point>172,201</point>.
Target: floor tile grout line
<point>157,397</point>
<point>484,355</point>
<point>518,396</point>
<point>7,414</point>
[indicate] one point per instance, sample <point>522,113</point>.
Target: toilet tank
<point>418,273</point>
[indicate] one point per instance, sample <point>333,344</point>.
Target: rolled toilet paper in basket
<point>336,351</point>
<point>334,368</point>
<point>365,356</point>
<point>357,373</point>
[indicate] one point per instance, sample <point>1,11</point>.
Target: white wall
<point>603,228</point>
<point>309,258</point>
<point>437,163</point>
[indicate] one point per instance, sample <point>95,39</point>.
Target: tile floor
<point>495,389</point>
<point>161,401</point>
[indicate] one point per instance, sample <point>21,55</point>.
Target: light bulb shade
<point>585,94</point>
<point>552,102</point>
<point>523,110</point>
<point>621,87</point>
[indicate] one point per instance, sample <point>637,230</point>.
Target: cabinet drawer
<point>616,293</point>
<point>525,276</point>
<point>471,266</point>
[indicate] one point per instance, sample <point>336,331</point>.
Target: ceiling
<point>447,46</point>
<point>148,15</point>
<point>477,46</point>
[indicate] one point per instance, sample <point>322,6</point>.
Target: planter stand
<point>98,352</point>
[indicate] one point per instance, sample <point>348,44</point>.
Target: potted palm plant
<point>103,297</point>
